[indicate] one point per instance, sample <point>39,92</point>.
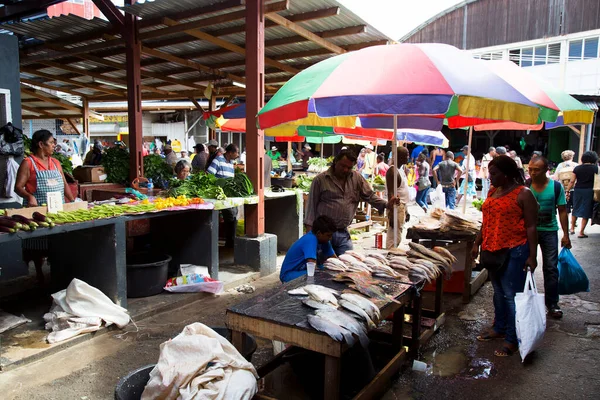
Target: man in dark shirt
<point>448,169</point>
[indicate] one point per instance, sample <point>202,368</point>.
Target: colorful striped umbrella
<point>572,111</point>
<point>433,80</point>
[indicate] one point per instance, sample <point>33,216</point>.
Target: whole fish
<point>321,294</point>
<point>347,258</point>
<point>429,253</point>
<point>346,321</point>
<point>364,303</point>
<point>317,305</point>
<point>372,262</point>
<point>297,292</point>
<point>356,255</point>
<point>334,331</point>
<point>400,261</point>
<point>358,311</point>
<point>334,267</point>
<point>372,291</point>
<point>335,261</point>
<point>379,257</point>
<point>445,253</point>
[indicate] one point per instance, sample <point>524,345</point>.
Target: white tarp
<point>81,308</point>
<point>200,364</point>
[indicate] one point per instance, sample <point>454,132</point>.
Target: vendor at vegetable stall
<point>94,156</point>
<point>212,146</point>
<point>40,173</point>
<point>316,243</point>
<point>222,167</point>
<point>170,155</point>
<point>199,160</point>
<point>182,169</point>
<point>336,194</point>
<point>274,154</point>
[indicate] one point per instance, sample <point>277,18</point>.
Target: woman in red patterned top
<point>508,240</point>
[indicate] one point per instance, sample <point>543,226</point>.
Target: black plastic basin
<point>131,386</point>
<point>147,274</point>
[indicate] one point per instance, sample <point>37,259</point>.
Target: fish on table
<point>334,331</point>
<point>344,320</point>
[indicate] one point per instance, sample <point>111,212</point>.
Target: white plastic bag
<point>438,197</point>
<point>530,317</point>
<point>412,194</point>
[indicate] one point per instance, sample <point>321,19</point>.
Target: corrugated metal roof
<point>66,28</point>
<point>592,105</point>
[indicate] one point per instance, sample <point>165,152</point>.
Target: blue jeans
<point>422,197</point>
<point>450,193</point>
<point>341,242</point>
<point>485,189</point>
<point>549,245</point>
<point>507,281</point>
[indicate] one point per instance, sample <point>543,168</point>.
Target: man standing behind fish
<point>305,249</point>
<point>336,194</point>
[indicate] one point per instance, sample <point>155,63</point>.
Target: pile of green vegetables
<point>303,182</point>
<point>238,186</point>
<point>158,170</point>
<point>115,161</point>
<point>207,186</point>
<point>318,162</point>
<point>379,180</point>
<point>65,163</point>
<point>202,185</point>
<point>477,203</point>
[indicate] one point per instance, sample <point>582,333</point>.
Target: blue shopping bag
<point>571,277</point>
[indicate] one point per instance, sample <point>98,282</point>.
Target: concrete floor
<point>564,367</point>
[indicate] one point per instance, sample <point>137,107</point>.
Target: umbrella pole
<point>464,210</point>
<point>395,162</point>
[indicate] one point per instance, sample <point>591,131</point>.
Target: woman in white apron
<point>39,175</point>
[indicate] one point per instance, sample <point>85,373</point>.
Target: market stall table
<point>95,251</point>
<point>276,315</point>
<point>437,237</point>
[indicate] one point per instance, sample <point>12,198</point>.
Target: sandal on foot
<point>489,336</point>
<point>582,236</point>
<point>504,352</point>
<point>571,232</point>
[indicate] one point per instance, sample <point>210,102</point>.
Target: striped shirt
<point>338,200</point>
<point>221,168</point>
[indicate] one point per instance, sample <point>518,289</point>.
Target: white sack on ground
<point>200,364</point>
<point>81,308</point>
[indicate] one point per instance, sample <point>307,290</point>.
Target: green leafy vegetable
<point>115,161</point>
<point>238,186</point>
<point>65,163</point>
<point>158,170</point>
<point>477,203</point>
<point>303,182</point>
<point>202,185</point>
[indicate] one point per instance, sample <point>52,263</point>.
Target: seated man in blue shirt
<point>305,249</point>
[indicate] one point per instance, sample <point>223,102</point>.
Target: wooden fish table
<point>430,238</point>
<point>276,315</point>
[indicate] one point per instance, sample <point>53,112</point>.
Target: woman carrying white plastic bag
<point>530,317</point>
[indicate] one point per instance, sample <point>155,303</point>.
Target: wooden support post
<point>581,142</point>
<point>86,119</point>
<point>289,156</point>
<point>398,328</point>
<point>255,97</point>
<point>134,94</point>
<point>416,325</point>
<point>333,376</point>
<point>212,132</point>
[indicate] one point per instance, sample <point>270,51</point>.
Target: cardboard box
<point>87,174</point>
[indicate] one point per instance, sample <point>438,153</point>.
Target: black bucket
<point>131,386</point>
<point>147,274</point>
